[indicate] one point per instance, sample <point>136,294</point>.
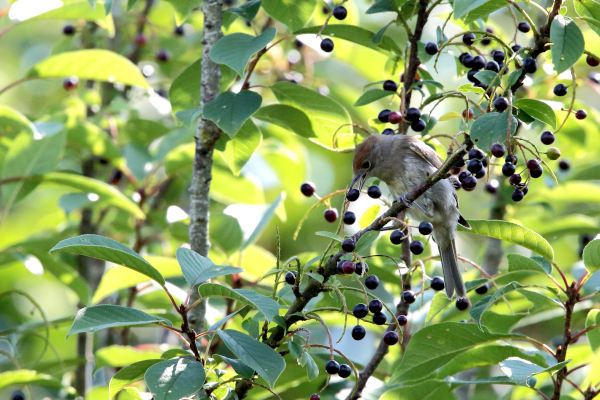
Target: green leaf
<point>519,371</point>
<point>74,10</point>
<point>225,232</point>
<point>356,35</point>
<point>257,355</point>
<point>183,8</point>
<point>538,110</point>
<point>366,240</point>
<point>287,117</point>
<point>489,78</point>
<point>435,345</point>
<point>197,268</point>
<point>519,263</point>
<point>540,302</point>
<point>312,369</point>
<point>13,122</point>
<point>476,311</point>
<point>121,356</point>
<point>568,43</point>
<point>380,6</point>
<point>449,116</point>
<point>492,127</point>
<point>27,157</point>
<point>330,235</point>
<point>22,377</point>
<point>93,138</point>
<point>188,117</point>
<point>325,114</point>
<point>462,7</point>
<point>514,77</point>
<point>593,336</point>
<point>439,302</point>
<point>248,10</point>
<point>574,224</point>
<point>467,87</point>
<point>264,221</point>
<point>316,277</point>
<point>239,367</point>
<point>174,379</point>
<point>426,390</point>
<point>292,13</point>
<point>235,50</point>
<point>513,233</point>
<point>379,35</point>
<point>266,305</point>
<point>372,95</point>
<point>95,64</point>
<point>230,110</point>
<point>240,148</point>
<point>128,375</point>
<point>591,256</point>
<point>91,319</point>
<point>590,11</point>
<point>369,216</point>
<point>484,10</point>
<point>109,250</point>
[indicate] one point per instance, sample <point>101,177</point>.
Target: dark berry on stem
<point>413,114</point>
<point>462,304</point>
<point>397,236</point>
<point>394,117</point>
<point>460,163</point>
<point>340,13</point>
<point>512,158</point>
<point>179,31</point>
<point>68,30</point>
<point>409,296</point>
<point>517,195</point>
<point>383,115</point>
<point>345,371</point>
<point>332,367</point>
<point>327,45</point>
<point>375,306</point>
<point>498,150</point>
<point>516,47</point>
<point>492,66</point>
<point>536,173</point>
<point>402,320</point>
<point>372,282</point>
<point>514,179</point>
<point>592,61</point>
<point>524,27</point>
<point>474,166</point>
<point>339,267</point>
<point>431,48</point>
<point>308,189</point>
<point>464,114</point>
<point>547,137</point>
<point>360,310</point>
<point>480,174</point>
<point>17,395</point>
<point>476,154</point>
<point>374,192</point>
<point>530,65</point>
<point>468,38</point>
<point>478,62</point>
<point>390,85</point>
<point>508,169</point>
<point>501,104</point>
<point>581,114</point>
<point>315,397</point>
<point>416,247</point>
<point>463,175</point>
<point>492,186</point>
<point>349,218</point>
<point>471,76</point>
<point>379,318</point>
<point>561,89</point>
<point>358,332</point>
<point>564,165</point>
<point>353,194</point>
<point>388,131</point>
<point>163,56</point>
<point>70,83</point>
<point>437,283</point>
<point>141,40</point>
<point>348,246</point>
<point>330,215</point>
<point>359,268</point>
<point>390,338</point>
<point>348,267</point>
<point>467,61</point>
<point>498,56</point>
<point>290,277</point>
<point>469,183</point>
<point>418,126</point>
<point>532,164</point>
<point>425,228</point>
<point>482,289</point>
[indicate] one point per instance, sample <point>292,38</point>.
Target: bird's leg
<point>407,203</point>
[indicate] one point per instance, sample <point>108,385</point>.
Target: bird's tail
<point>452,276</point>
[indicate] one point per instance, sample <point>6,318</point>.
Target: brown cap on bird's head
<point>363,151</point>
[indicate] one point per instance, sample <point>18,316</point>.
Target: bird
<point>403,162</point>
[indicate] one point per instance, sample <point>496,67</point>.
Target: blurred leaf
<point>380,6</point>
<point>574,224</point>
<point>570,193</point>
<point>234,50</point>
<point>593,336</point>
<point>366,240</point>
<point>91,137</point>
<point>369,216</point>
<point>330,235</point>
<point>325,114</point>
<point>484,10</point>
<point>435,345</point>
<point>568,43</point>
<point>121,356</point>
<point>174,379</point>
<point>13,122</point>
<point>356,35</point>
<point>110,250</point>
<point>462,7</point>
<point>91,319</point>
<point>94,64</point>
<point>27,157</point>
<point>513,233</point>
<point>128,375</point>
<point>449,116</point>
<point>288,117</point>
<point>266,305</point>
<point>22,377</point>
<point>225,232</point>
<point>197,268</point>
<point>372,95</point>
<point>247,10</point>
<point>188,117</point>
<point>591,256</point>
<point>257,355</point>
<point>519,371</point>
<point>235,189</point>
<point>591,172</point>
<point>183,8</point>
<point>538,110</point>
<point>239,367</point>
<point>230,110</point>
<point>429,389</point>
<point>264,221</point>
<point>74,10</point>
<point>240,148</point>
<point>143,132</point>
<point>292,13</point>
<point>589,9</point>
<point>489,78</point>
<point>490,128</point>
<point>476,311</point>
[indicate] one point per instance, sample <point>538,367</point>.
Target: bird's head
<point>363,163</point>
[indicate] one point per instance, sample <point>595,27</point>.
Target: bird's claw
<point>407,203</point>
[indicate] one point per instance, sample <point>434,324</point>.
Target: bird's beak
<point>361,181</point>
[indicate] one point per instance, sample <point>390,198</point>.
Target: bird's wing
<point>425,152</point>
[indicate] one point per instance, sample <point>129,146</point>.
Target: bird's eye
<point>366,164</point>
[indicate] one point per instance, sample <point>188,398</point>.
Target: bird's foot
<point>403,200</point>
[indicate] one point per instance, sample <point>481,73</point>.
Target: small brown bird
<point>403,162</point>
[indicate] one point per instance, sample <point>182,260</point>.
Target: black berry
<point>340,13</point>
<point>514,179</point>
<point>327,45</point>
<point>512,158</point>
<point>379,318</point>
<point>308,189</point>
<point>536,173</point>
<point>486,41</point>
<point>390,85</point>
<point>418,126</point>
<point>353,194</point>
<point>480,174</point>
<point>290,277</point>
<point>492,66</point>
<point>516,47</point>
<point>358,332</point>
<point>330,215</point>
<point>468,38</point>
<point>476,154</point>
<point>372,282</point>
<point>561,89</point>
<point>425,228</point>
<point>397,236</point>
<point>388,131</point>
<point>517,195</point>
<point>332,367</point>
<point>482,289</point>
<point>474,166</point>
<point>547,137</point>
<point>437,283</point>
<point>409,297</point>
<point>17,395</point>
<point>530,65</point>
<point>416,247</point>
<point>592,61</point>
<point>348,246</point>
<point>498,56</point>
<point>471,76</point>
<point>345,371</point>
<point>402,320</point>
<point>390,338</point>
<point>349,218</point>
<point>374,192</point>
<point>581,114</point>
<point>413,114</point>
<point>532,164</point>
<point>68,30</point>
<point>70,83</point>
<point>478,62</point>
<point>383,115</point>
<point>462,304</point>
<point>524,27</point>
<point>359,268</point>
<point>491,187</point>
<point>163,56</point>
<point>375,306</point>
<point>315,397</point>
<point>564,165</point>
<point>431,48</point>
<point>360,310</point>
<point>179,31</point>
<point>463,175</point>
<point>469,183</point>
<point>498,150</point>
<point>348,267</point>
<point>467,60</point>
<point>501,104</point>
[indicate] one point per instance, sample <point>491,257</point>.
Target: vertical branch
<point>207,135</point>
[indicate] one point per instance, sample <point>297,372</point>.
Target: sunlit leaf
<point>174,379</point>
<point>292,13</point>
<point>568,43</point>
<point>266,305</point>
<point>91,319</point>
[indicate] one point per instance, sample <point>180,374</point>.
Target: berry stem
<point>573,94</point>
<point>320,320</point>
